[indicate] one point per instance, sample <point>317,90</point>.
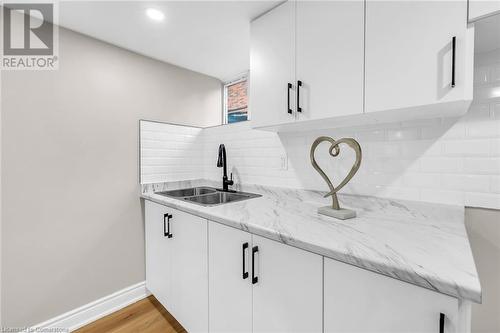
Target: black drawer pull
<point>299,84</point>
<point>165,232</point>
<point>453,49</point>
<point>288,98</point>
<point>255,279</point>
<point>245,272</point>
<point>441,322</point>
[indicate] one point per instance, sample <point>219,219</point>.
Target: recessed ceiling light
<point>155,14</point>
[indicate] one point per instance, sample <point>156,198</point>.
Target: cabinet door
<point>158,254</point>
<point>357,300</point>
<point>409,54</point>
<point>479,9</point>
<point>189,294</point>
<point>272,65</point>
<point>330,58</point>
<point>230,289</point>
<point>288,294</point>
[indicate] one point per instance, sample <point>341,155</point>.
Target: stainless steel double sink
<point>207,196</point>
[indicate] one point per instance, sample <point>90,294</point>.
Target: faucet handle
<point>230,181</point>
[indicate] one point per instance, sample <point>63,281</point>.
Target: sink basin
<point>207,196</point>
<point>220,198</point>
<point>188,192</point>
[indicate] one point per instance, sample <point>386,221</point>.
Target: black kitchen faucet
<point>221,163</point>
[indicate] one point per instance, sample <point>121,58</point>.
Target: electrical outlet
<point>284,162</point>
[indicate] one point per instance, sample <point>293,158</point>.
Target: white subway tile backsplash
<point>448,129</point>
<point>404,193</point>
<point>449,160</point>
<point>170,152</point>
<point>495,73</point>
<point>482,75</point>
<point>495,147</point>
<point>441,165</point>
<point>467,147</point>
<point>478,111</point>
<point>443,196</point>
<point>495,184</point>
<point>495,109</point>
<point>404,134</point>
<point>484,129</point>
<point>465,183</point>
<point>482,200</point>
<point>370,135</point>
<point>422,180</point>
<point>481,166</point>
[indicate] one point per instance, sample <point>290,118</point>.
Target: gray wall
<point>72,225</point>
<point>483,227</point>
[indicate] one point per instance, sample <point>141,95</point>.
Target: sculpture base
<point>341,214</point>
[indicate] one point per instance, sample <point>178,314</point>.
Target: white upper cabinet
<point>329,54</point>
<point>410,52</point>
<point>324,64</point>
<point>272,63</point>
<point>479,9</point>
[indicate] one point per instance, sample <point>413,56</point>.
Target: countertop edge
<point>462,293</point>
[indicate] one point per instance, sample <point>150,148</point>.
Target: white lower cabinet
<point>357,300</point>
<point>158,253</point>
<point>230,288</point>
<point>218,279</point>
<point>189,292</point>
<point>288,295</point>
<point>259,285</point>
<point>177,264</point>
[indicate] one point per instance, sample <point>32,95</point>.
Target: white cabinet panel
<point>177,266</point>
<point>357,300</point>
<point>330,50</point>
<point>288,294</point>
<point>189,293</point>
<point>272,63</point>
<point>158,253</point>
<point>230,291</point>
<point>409,54</point>
<point>479,9</point>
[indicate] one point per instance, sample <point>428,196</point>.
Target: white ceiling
<point>487,34</point>
<point>210,37</point>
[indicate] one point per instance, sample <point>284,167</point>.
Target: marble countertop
<point>420,243</point>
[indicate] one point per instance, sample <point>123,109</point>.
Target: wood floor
<point>145,316</point>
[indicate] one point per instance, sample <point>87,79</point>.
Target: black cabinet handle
<point>299,84</point>
<point>168,233</point>
<point>453,49</point>
<point>288,98</point>
<point>441,322</point>
<point>245,272</point>
<point>165,232</point>
<point>255,279</point>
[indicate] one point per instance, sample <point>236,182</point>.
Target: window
<point>236,101</point>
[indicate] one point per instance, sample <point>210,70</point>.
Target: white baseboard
<point>92,311</point>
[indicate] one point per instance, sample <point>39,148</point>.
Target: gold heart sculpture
<point>335,151</point>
